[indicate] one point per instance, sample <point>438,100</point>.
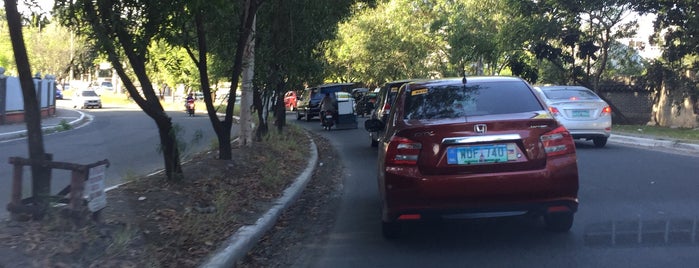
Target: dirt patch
<point>153,223</point>
<point>307,222</point>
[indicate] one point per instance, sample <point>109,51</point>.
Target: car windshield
<point>454,101</point>
<point>89,94</point>
<point>566,94</point>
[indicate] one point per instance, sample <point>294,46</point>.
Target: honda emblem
<point>480,128</point>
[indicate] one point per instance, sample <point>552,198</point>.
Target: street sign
<point>96,197</point>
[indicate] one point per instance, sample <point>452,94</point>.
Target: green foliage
<point>49,47</point>
<point>64,125</point>
<point>676,27</point>
<point>624,61</point>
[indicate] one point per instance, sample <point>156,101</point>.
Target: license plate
<point>481,154</point>
<point>581,113</point>
<point>329,116</point>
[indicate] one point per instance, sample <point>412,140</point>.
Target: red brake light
<point>402,151</point>
<point>554,111</point>
<point>558,142</point>
<point>606,110</point>
<point>386,109</point>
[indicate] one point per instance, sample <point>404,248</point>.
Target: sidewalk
<point>74,118</point>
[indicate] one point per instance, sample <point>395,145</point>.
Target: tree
<point>289,50</point>
<point>676,28</point>
<point>575,36</point>
<point>198,28</point>
<point>41,184</point>
<point>391,41</point>
<point>127,28</point>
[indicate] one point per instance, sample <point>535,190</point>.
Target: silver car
<point>581,111</point>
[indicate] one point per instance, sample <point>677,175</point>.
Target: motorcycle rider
<point>190,100</point>
<point>327,104</point>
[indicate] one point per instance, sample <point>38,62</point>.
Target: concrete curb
<point>77,123</point>
<point>655,143</point>
<point>238,245</point>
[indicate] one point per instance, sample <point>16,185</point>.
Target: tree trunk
<point>41,184</point>
<point>246,130</point>
<point>171,153</point>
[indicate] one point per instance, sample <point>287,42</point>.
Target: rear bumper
<point>553,189</point>
<point>592,129</point>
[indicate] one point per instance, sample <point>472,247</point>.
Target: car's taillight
<point>554,111</point>
<point>402,151</point>
<point>606,110</point>
<point>386,109</point>
<point>558,142</point>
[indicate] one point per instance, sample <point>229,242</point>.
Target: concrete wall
<point>12,99</point>
<point>636,106</point>
<point>675,108</point>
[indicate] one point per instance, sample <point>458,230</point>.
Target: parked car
<point>59,94</point>
<point>290,100</point>
<point>581,111</point>
<point>384,100</point>
<point>470,148</point>
<point>309,103</point>
<point>87,99</point>
<point>101,87</point>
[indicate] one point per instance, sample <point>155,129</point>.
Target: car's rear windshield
<point>89,93</point>
<point>452,101</point>
<point>566,94</point>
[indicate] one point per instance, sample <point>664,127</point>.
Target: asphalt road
<point>638,208</point>
<point>128,138</point>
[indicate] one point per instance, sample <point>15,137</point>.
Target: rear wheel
<point>559,222</point>
<point>391,230</point>
<point>600,142</point>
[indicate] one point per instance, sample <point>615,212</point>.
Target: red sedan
<point>474,147</point>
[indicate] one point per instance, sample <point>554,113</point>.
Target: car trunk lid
<point>478,144</point>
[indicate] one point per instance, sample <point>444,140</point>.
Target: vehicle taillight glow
<point>554,111</point>
<point>558,142</point>
<point>386,109</point>
<point>402,151</point>
<point>606,110</point>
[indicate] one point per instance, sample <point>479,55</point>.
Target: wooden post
<point>77,187</point>
<point>17,184</point>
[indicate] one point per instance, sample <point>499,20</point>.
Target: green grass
<point>686,134</point>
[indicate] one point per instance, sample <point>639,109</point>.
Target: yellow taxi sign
<point>542,116</point>
<point>420,91</point>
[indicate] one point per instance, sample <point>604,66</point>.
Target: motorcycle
<point>190,107</point>
<point>328,119</point>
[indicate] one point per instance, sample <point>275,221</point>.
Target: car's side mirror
<point>373,125</point>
